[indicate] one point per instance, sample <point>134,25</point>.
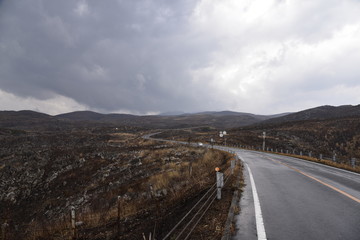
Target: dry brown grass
<point>173,176</point>
<point>165,180</point>
<point>58,230</point>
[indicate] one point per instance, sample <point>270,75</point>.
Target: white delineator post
<point>219,182</point>
<point>353,162</point>
<point>118,216</point>
<point>232,166</point>
<point>73,221</point>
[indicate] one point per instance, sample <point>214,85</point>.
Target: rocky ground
<point>119,184</point>
<point>315,140</point>
<point>326,137</point>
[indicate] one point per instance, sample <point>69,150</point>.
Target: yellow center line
<point>318,180</point>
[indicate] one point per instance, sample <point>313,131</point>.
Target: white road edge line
<point>260,228</point>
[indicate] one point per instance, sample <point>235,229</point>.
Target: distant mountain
<point>215,119</point>
<point>93,116</point>
<point>81,116</point>
<point>29,120</point>
<point>227,113</point>
<point>9,118</point>
<point>35,121</point>
<point>231,113</point>
<point>318,113</point>
<point>220,120</point>
<point>175,113</point>
<point>23,114</point>
<point>279,115</point>
<point>26,119</point>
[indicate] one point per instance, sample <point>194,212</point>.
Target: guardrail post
<point>353,162</point>
<point>334,157</point>
<point>301,153</point>
<point>321,156</point>
<point>219,183</point>
<point>232,166</point>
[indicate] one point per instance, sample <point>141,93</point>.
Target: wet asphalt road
<point>299,199</point>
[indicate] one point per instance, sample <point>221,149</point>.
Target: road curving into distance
<point>294,199</point>
<point>298,199</point>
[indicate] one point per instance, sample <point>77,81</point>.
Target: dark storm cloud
<point>146,56</point>
<point>107,55</point>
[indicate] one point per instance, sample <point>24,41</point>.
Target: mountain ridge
<point>318,113</point>
<point>27,119</point>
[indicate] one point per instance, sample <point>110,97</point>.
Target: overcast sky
<point>144,57</point>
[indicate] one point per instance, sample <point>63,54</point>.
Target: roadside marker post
<point>353,161</point>
<point>73,222</point>
<point>219,182</point>
<point>118,216</point>
<point>232,166</point>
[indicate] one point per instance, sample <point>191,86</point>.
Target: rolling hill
<point>224,119</point>
<point>221,120</point>
<point>318,113</point>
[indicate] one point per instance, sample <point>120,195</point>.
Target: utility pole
<point>264,136</point>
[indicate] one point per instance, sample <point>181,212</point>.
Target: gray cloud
<point>153,56</point>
